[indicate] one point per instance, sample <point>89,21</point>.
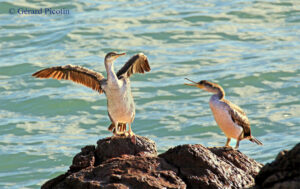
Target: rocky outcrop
<point>121,163</point>
<point>283,172</point>
<point>212,167</point>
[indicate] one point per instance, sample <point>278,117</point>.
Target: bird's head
<point>112,56</point>
<point>205,85</point>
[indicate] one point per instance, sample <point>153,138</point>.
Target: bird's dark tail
<point>255,140</point>
<point>111,127</point>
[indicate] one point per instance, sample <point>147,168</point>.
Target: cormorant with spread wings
<point>120,103</point>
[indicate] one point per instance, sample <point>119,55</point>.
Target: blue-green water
<point>249,47</point>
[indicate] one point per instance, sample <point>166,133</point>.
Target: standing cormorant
<point>231,119</point>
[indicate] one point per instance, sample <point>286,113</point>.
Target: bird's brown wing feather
<point>239,117</point>
<point>136,64</point>
<point>77,74</point>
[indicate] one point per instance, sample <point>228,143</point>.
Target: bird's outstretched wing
<point>77,74</point>
<point>136,64</point>
<point>239,117</point>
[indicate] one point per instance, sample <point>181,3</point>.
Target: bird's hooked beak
<point>194,84</point>
<point>121,54</point>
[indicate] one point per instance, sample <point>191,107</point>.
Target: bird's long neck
<point>221,93</point>
<point>111,75</point>
<point>218,92</point>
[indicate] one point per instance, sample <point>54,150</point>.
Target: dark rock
<point>115,147</point>
<point>86,158</point>
<point>127,172</point>
<point>118,149</point>
<point>238,159</point>
<point>118,163</point>
<point>212,168</point>
<point>283,172</point>
<point>55,181</point>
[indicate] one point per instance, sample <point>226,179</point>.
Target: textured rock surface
<point>108,148</point>
<point>238,159</point>
<point>212,168</point>
<point>119,163</point>
<point>86,158</point>
<point>283,172</point>
<point>126,172</point>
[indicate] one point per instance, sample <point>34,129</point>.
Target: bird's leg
<point>237,144</point>
<point>227,142</point>
<point>127,134</point>
<point>120,127</point>
<point>238,141</point>
<point>124,128</point>
<point>117,132</point>
<point>130,130</point>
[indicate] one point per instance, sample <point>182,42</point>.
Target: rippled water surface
<point>251,48</point>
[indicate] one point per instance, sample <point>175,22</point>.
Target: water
<point>249,47</point>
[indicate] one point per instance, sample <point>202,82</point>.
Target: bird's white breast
<point>223,118</point>
<point>120,103</point>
